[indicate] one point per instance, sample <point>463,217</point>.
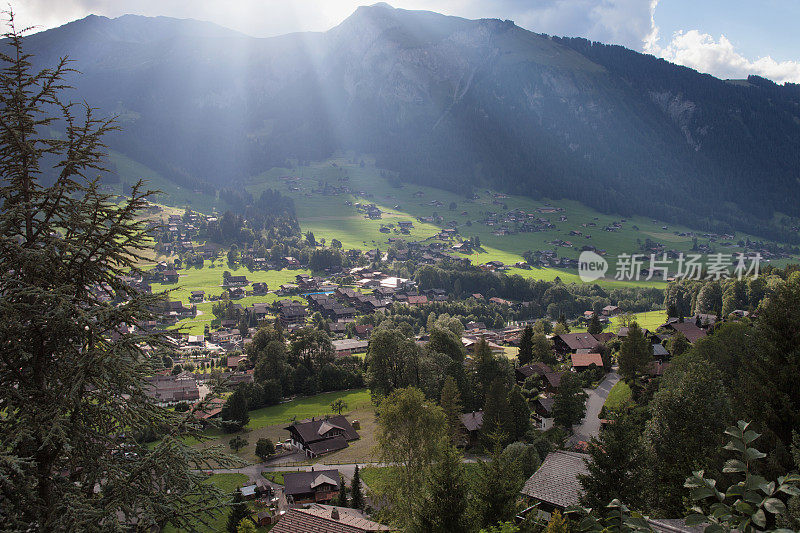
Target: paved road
<point>254,471</point>
<point>590,425</point>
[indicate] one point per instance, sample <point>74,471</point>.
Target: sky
<point>726,38</point>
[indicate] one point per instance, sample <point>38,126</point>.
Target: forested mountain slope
<point>449,102</point>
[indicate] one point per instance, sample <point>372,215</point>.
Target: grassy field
<point>647,320</point>
<point>217,521</point>
<point>619,394</point>
<point>275,477</point>
<point>130,171</point>
<point>329,217</point>
<point>209,279</point>
<point>319,405</point>
<point>270,422</point>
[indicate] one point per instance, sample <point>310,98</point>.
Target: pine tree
<point>518,421</point>
<point>443,496</point>
<point>238,512</point>
<point>569,405</point>
<point>356,494</point>
<point>525,355</point>
<point>341,500</point>
<point>616,455</point>
<point>495,411</point>
<point>235,413</point>
<point>72,394</point>
<point>594,325</point>
<point>635,354</point>
<point>451,405</point>
<point>495,489</point>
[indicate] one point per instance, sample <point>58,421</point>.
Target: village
<point>302,296</point>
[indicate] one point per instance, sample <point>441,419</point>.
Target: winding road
<point>590,425</point>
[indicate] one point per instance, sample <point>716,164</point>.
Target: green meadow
<point>301,408</point>
<point>209,279</point>
<point>330,217</point>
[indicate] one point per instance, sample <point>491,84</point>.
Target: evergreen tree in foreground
<point>238,512</point>
<point>72,388</point>
<point>451,405</point>
<point>356,494</point>
<point>570,401</point>
<point>443,502</point>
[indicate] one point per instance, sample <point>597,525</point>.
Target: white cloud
<point>719,57</point>
<point>702,52</point>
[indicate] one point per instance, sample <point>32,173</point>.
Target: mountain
<point>460,104</point>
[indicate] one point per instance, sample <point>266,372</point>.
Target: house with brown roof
<point>689,330</point>
<point>533,369</point>
<point>471,424</point>
<point>319,436</point>
<point>326,519</point>
<point>553,381</point>
<point>166,390</point>
<point>582,361</point>
<point>543,412</point>
<point>572,342</point>
<point>555,484</point>
<point>311,487</point>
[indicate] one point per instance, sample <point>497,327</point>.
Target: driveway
<point>590,425</point>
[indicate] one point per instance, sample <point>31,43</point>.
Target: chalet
<point>291,262</point>
<point>543,409</point>
<point>177,309</point>
<point>347,347</point>
<point>311,487</point>
<point>363,331</point>
<point>319,436</point>
<point>534,369</point>
<point>405,224</point>
<point>197,296</point>
<point>689,330</point>
<point>611,310</point>
<point>258,310</point>
<point>236,293</point>
<point>170,276</point>
<point>211,409</point>
<point>417,299</point>
<point>287,288</point>
<point>326,520</point>
<point>553,381</point>
<point>292,313</point>
<point>233,361</point>
<point>500,301</point>
<point>572,342</point>
<point>235,280</point>
<point>555,485</point>
<point>172,389</point>
<point>583,361</point>
<point>659,352</point>
<point>471,424</point>
<point>260,288</point>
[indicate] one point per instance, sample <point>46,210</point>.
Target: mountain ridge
<point>447,101</point>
